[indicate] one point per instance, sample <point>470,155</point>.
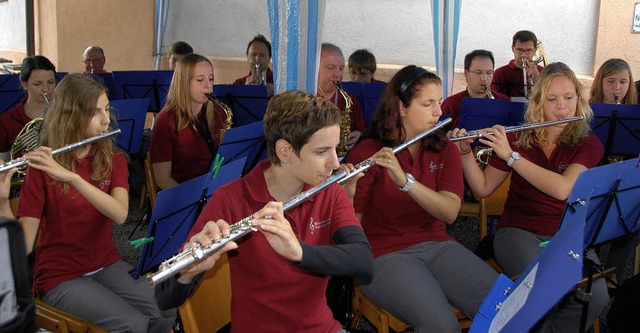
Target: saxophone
<point>227,111</point>
<point>345,126</point>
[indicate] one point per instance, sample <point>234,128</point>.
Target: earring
<point>285,161</point>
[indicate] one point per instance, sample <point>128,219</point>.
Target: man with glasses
<point>93,59</point>
<point>478,72</point>
<point>509,79</point>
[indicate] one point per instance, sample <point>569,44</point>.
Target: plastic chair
<point>383,320</point>
<point>209,307</point>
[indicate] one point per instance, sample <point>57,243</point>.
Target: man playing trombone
<point>510,79</point>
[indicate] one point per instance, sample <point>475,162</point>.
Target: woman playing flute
<point>544,163</point>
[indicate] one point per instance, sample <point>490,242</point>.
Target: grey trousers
<point>112,300</point>
<point>515,249</point>
<point>421,283</point>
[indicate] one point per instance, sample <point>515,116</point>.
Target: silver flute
<point>510,129</point>
<point>20,161</point>
<point>190,256</point>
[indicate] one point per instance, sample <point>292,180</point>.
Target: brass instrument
<point>190,256</point>
<point>28,138</point>
<point>260,75</point>
<point>227,111</point>
<point>617,99</point>
<point>539,57</point>
<point>487,91</point>
<point>345,126</point>
<point>21,161</point>
<point>510,129</point>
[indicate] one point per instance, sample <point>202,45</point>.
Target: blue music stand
<point>604,204</point>
<point>131,115</point>
<point>11,92</point>
<point>618,128</point>
<point>153,85</point>
<point>175,213</point>
<point>479,113</point>
<point>356,89</point>
<point>370,99</point>
<point>60,76</point>
<point>248,102</point>
<point>244,142</point>
<point>106,79</point>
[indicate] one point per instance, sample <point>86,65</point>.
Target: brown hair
<point>71,110</point>
<point>387,122</point>
<point>295,116</point>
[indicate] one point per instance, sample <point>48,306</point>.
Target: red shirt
<point>391,219</point>
<point>75,238</point>
<point>508,80</point>
<point>529,208</point>
<point>187,150</point>
<point>243,80</point>
<point>453,104</point>
<point>11,123</point>
<point>269,294</point>
<point>357,115</point>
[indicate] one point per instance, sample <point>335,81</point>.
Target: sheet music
<point>514,302</point>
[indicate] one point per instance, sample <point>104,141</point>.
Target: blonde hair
<point>575,131</point>
<point>608,68</point>
<point>179,98</point>
<point>71,110</point>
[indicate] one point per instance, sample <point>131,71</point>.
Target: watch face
<point>515,155</point>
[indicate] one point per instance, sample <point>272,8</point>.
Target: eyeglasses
<point>88,61</point>
<point>481,73</point>
<point>519,50</point>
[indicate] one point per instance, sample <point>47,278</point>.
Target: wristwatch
<point>514,157</point>
<point>410,181</point>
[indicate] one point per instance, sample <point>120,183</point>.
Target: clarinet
<point>243,227</point>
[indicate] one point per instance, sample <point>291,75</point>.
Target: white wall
<point>13,32</point>
<point>400,31</point>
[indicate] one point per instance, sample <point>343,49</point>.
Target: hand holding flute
<point>212,232</point>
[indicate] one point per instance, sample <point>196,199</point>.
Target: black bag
<point>339,298</point>
<point>17,307</point>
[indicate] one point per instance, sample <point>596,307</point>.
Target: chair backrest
<point>152,187</point>
<point>209,307</point>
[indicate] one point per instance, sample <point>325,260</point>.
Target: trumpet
<point>487,91</point>
<point>18,162</point>
<point>243,227</point>
<point>616,98</point>
<point>477,135</point>
<point>261,75</point>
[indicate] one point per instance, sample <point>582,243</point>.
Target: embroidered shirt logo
<point>562,167</point>
<point>435,167</point>
<point>105,184</point>
<point>313,225</point>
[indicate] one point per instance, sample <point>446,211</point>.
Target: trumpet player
<point>93,59</point>
<point>478,72</point>
<point>259,58</point>
<point>329,75</point>
<point>510,79</point>
<point>544,164</point>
